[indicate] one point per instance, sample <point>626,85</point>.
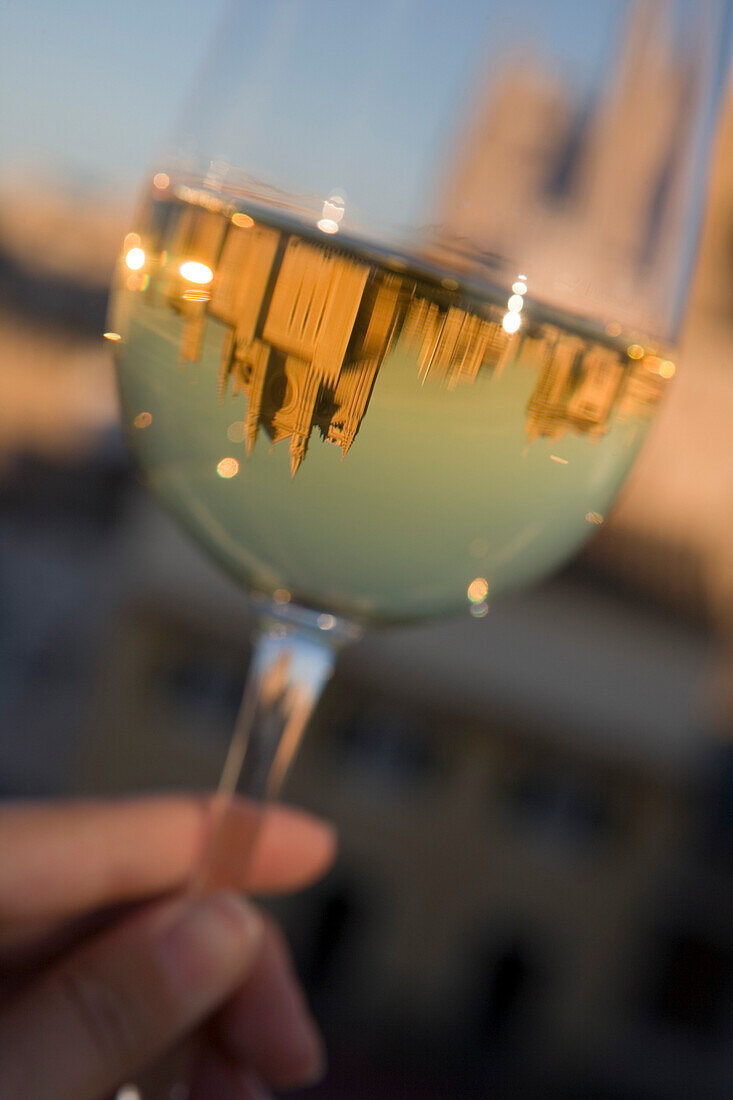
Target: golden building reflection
<point>308,327</point>
<point>578,388</point>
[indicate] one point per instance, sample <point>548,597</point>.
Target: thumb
<point>116,1003</point>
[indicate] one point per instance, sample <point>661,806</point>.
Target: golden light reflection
<point>613,328</point>
<point>161,180</point>
<point>242,220</point>
<point>556,458</point>
<point>143,420</point>
<point>667,369</point>
<point>331,214</point>
<point>132,240</point>
<point>512,320</point>
<point>635,351</point>
<point>478,590</point>
<point>195,272</point>
<point>594,517</point>
<point>112,336</point>
<point>135,258</point>
<point>281,596</point>
<point>228,467</point>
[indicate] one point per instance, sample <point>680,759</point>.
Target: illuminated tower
<point>375,325</point>
<point>451,345</point>
<point>576,388</point>
<point>293,311</point>
<point>643,389</point>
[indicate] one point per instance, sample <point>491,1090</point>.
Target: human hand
<point>106,964</point>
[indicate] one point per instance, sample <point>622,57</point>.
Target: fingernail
<point>214,940</point>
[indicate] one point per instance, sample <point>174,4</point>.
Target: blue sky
<point>89,87</point>
<point>92,89</point>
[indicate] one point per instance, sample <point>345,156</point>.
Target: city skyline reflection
<point>308,327</point>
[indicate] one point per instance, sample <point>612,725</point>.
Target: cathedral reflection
<point>308,328</point>
<point>576,187</point>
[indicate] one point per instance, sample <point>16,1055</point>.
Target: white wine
<point>364,432</point>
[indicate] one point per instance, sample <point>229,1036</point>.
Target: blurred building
<point>587,192</point>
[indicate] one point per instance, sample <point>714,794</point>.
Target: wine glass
<point>400,302</point>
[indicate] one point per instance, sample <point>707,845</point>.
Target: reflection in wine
<point>309,326</point>
<point>314,340</point>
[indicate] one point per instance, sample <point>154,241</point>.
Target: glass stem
<point>293,659</point>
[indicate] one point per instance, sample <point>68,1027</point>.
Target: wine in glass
<point>397,310</point>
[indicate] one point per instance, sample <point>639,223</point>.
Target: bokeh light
<point>235,431</point>
<point>478,590</point>
<point>228,467</point>
<point>135,258</point>
<point>195,272</point>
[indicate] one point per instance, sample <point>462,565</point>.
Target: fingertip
<point>296,848</point>
<point>286,849</point>
<point>267,1024</point>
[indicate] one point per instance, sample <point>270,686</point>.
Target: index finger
<point>62,858</point>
